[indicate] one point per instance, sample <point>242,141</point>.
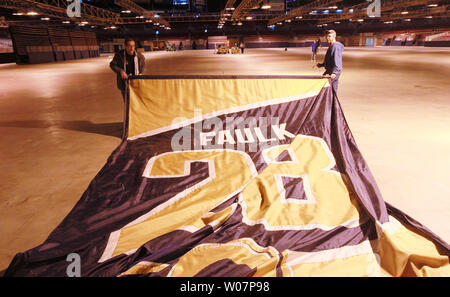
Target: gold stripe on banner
<point>173,101</point>
<point>347,261</point>
<point>243,251</point>
<point>145,267</point>
<point>406,253</point>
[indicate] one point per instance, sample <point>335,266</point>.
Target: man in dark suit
<point>127,62</point>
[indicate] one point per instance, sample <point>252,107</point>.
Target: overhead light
<point>18,13</point>
<point>249,18</point>
<point>408,20</point>
<point>140,17</point>
<point>32,13</point>
<point>125,11</point>
<point>66,22</point>
<point>429,17</point>
<point>350,10</point>
<point>360,20</point>
<point>405,12</point>
<point>337,22</point>
<point>266,6</point>
<point>287,21</point>
<point>299,17</point>
<point>239,23</point>
<point>279,23</point>
<point>113,27</point>
<point>84,22</point>
<point>433,5</point>
<point>326,11</point>
<point>45,19</point>
<point>332,7</point>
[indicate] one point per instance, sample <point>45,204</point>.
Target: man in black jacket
<point>333,59</point>
<point>126,63</point>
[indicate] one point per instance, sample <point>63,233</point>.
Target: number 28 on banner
<point>263,199</point>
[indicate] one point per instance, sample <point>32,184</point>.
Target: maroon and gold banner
<point>236,177</point>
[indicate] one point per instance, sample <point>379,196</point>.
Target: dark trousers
<point>125,113</point>
<point>334,82</point>
<point>123,95</point>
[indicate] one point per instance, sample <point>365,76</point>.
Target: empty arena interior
<point>61,113</point>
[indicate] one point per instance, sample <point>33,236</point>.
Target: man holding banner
<point>126,63</point>
<point>333,59</point>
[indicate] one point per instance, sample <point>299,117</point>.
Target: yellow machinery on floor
<point>222,49</point>
<point>235,50</point>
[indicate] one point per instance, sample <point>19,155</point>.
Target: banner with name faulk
<point>235,176</point>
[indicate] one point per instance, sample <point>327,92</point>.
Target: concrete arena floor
<point>59,122</point>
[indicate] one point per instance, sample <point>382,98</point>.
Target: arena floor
<point>59,123</point>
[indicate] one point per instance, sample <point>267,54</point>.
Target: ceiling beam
<point>133,7</point>
<point>244,7</point>
<point>58,9</point>
<point>390,10</point>
<point>303,10</point>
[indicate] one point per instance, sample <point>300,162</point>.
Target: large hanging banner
<point>235,176</point>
